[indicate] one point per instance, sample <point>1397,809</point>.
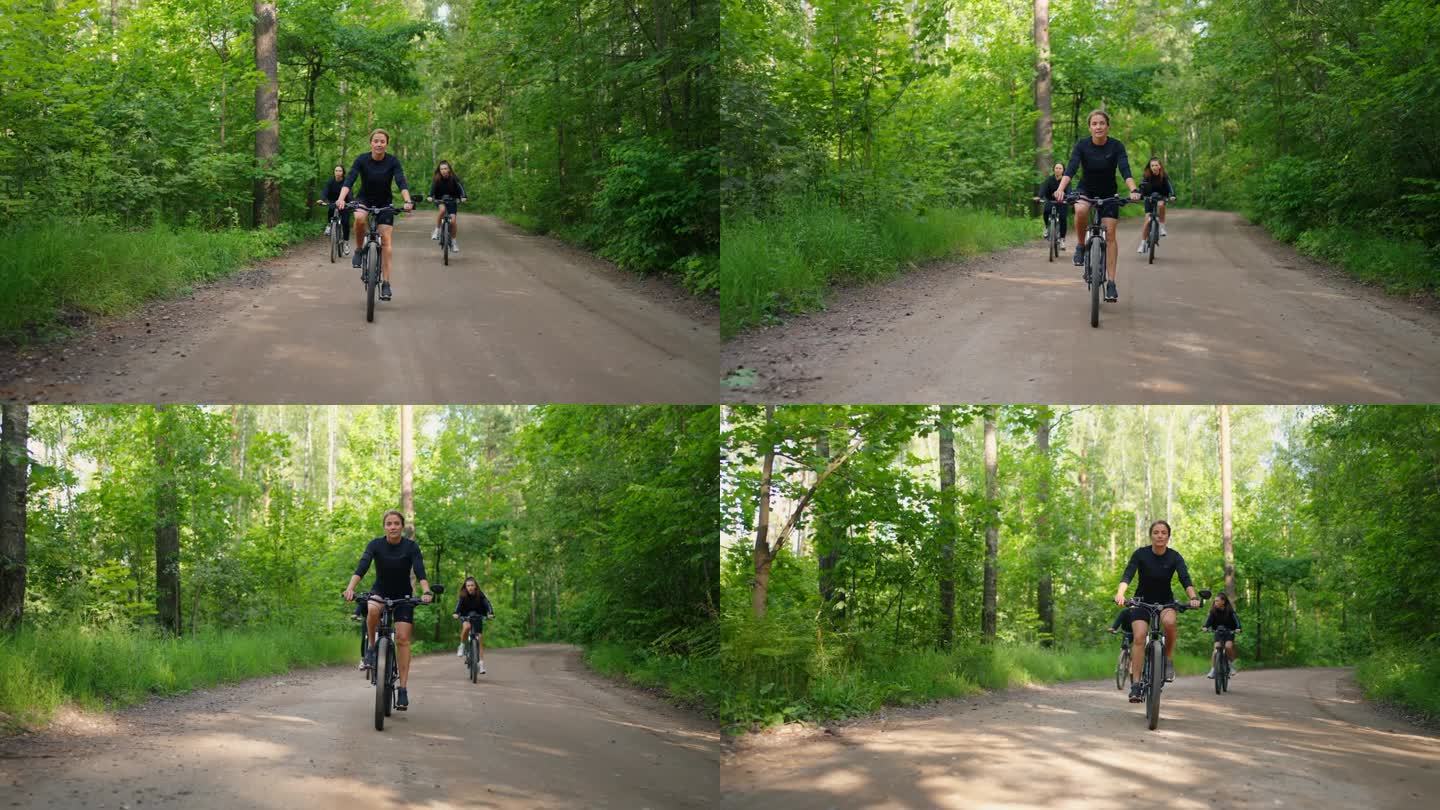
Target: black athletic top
<point>443,187</point>
<point>392,566</point>
<point>1100,163</point>
<point>375,176</point>
<point>1229,619</point>
<point>1048,187</point>
<point>332,190</point>
<point>1155,573</point>
<point>1153,186</point>
<point>472,604</point>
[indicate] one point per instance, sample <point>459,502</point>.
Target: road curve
<point>1226,314</point>
<point>538,731</point>
<point>1300,738</point>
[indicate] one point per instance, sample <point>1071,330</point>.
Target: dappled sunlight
<point>286,718</point>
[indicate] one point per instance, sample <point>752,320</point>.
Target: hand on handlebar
<point>349,594</point>
<point>1119,600</point>
<point>1135,195</point>
<point>1194,603</point>
<point>409,205</point>
<point>1059,195</point>
<point>426,597</point>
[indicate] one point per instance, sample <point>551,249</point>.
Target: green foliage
<point>1408,676</point>
<point>113,667</point>
<point>50,267</point>
<point>786,262</point>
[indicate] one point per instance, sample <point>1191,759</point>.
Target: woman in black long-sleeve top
<point>1223,615</point>
<point>328,198</point>
<point>1047,193</point>
<point>445,183</point>
<point>472,600</point>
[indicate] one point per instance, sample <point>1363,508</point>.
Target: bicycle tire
<point>334,242</point>
<point>371,281</point>
<point>1054,240</point>
<point>1095,260</point>
<point>382,685</point>
<point>1152,698</point>
<point>1225,682</point>
<point>1122,669</point>
<point>445,243</point>
<point>474,660</point>
<point>393,677</point>
<point>1154,237</point>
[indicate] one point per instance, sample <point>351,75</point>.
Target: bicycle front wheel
<point>1157,681</point>
<point>382,683</point>
<point>474,661</point>
<point>370,266</point>
<point>1154,238</point>
<point>1095,260</point>
<point>1122,669</point>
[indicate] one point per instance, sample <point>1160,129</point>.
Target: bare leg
<point>1112,249</point>
<point>385,231</point>
<point>1137,650</point>
<point>402,646</point>
<point>372,622</point>
<point>361,223</point>
<point>1167,622</point>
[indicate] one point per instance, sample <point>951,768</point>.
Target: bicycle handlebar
<point>1072,196</point>
<point>370,596</point>
<point>384,209</point>
<point>446,198</point>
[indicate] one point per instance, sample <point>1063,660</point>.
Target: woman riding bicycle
<point>472,600</point>
<point>1047,192</point>
<point>1100,156</point>
<point>1154,181</point>
<point>376,170</point>
<point>1157,564</point>
<point>327,199</point>
<point>395,556</point>
<point>1222,618</point>
<point>445,183</point>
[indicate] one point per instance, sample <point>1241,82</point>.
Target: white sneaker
<point>454,246</point>
<point>482,667</point>
<point>460,651</point>
<point>1141,248</point>
<point>1164,232</point>
<point>435,235</point>
<point>327,230</point>
<point>1062,245</point>
<point>344,248</point>
<point>1211,674</point>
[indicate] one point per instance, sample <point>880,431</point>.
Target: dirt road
<point>538,731</point>
<point>1226,314</point>
<point>514,318</point>
<point>1280,738</point>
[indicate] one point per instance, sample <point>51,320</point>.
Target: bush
<point>1407,676</point>
<point>649,208</point>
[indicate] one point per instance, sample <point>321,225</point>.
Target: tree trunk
<point>167,529</point>
<point>763,555</point>
<point>949,531</point>
<point>828,534</point>
<point>330,465</point>
<point>1226,503</point>
<point>407,462</point>
<point>14,490</point>
<point>267,116</point>
<point>439,552</point>
<point>1170,464</point>
<point>992,531</point>
<point>1044,589</point>
<point>1044,139</point>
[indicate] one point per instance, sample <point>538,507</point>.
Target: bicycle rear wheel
<point>382,684</point>
<point>1156,653</point>
<point>370,266</point>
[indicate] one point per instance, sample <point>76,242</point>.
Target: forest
<point>214,542</point>
<point>865,136</point>
<point>173,129</point>
<point>894,554</point>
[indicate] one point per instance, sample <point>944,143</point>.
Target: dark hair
<point>467,581</point>
<point>341,168</point>
<point>435,178</point>
<point>387,135</point>
<point>396,513</point>
<point>1147,175</point>
<point>1094,113</point>
<point>1229,608</point>
<point>1166,524</point>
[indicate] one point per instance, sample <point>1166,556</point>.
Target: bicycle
<point>382,655</point>
<point>1151,686</point>
<point>1152,233</point>
<point>1219,660</point>
<point>372,255</point>
<point>446,240</point>
<point>333,229</point>
<point>472,644</point>
<point>1122,666</point>
<point>1094,254</point>
<point>1052,226</point>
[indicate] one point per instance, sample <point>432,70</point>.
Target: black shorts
<point>401,613</point>
<point>1224,634</point>
<point>477,624</point>
<point>387,218</point>
<point>1109,210</point>
<point>451,206</point>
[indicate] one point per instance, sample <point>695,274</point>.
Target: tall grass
<point>696,680</point>
<point>785,262</point>
<point>53,270</point>
<point>776,676</point>
<point>1406,676</point>
<point>42,670</point>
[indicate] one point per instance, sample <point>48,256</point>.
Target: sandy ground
<point>1226,314</point>
<point>539,730</point>
<point>514,318</point>
<point>1279,739</point>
